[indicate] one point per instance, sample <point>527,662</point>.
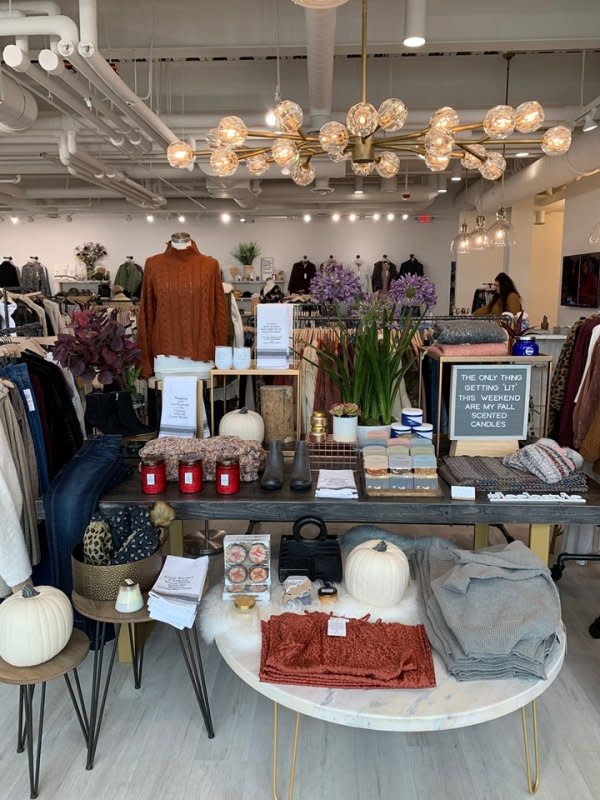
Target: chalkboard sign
<point>489,401</point>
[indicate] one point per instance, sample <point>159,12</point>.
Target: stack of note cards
<point>175,596</point>
<point>336,483</point>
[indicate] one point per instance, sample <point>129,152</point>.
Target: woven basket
<point>102,582</point>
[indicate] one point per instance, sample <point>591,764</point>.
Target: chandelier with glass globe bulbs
<point>371,140</point>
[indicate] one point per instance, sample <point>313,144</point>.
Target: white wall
<point>286,241</point>
<point>582,212</point>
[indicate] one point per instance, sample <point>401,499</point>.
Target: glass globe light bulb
<point>556,141</point>
<point>438,142</point>
<point>289,116</point>
<point>284,152</point>
<point>303,174</point>
<point>362,168</point>
<point>180,154</point>
<point>436,163</point>
<point>333,135</point>
<point>392,114</point>
<point>500,232</point>
<point>224,161</point>
<point>232,131</point>
<point>387,164</point>
<point>493,167</point>
<point>257,165</point>
<point>478,237</point>
<point>212,139</point>
<point>445,118</point>
<point>461,244</point>
<point>339,154</point>
<point>499,122</point>
<point>529,116</point>
<point>362,119</point>
<point>471,161</point>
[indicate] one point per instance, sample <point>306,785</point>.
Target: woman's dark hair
<point>505,287</point>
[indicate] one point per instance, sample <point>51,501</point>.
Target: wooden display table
<point>26,678</point>
<point>291,372</point>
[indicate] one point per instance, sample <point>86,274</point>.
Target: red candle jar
<point>154,475</point>
<point>228,476</point>
<point>190,474</point>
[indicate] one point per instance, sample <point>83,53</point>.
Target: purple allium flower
<point>413,290</point>
<point>336,284</point>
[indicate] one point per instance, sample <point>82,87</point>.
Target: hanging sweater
<point>183,310</point>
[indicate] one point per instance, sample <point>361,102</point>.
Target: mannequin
<point>331,262</point>
<point>384,272</point>
<point>361,271</point>
<point>411,266</point>
<point>183,311</point>
<point>303,272</point>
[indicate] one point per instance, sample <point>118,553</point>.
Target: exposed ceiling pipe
<point>88,50</point>
<point>20,41</point>
<point>582,159</point>
<point>57,25</point>
<point>53,64</point>
<point>18,109</point>
<point>320,47</point>
<point>34,7</point>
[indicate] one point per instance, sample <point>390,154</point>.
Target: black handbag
<point>318,559</point>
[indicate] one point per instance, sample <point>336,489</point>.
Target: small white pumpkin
<point>35,625</point>
<point>377,573</point>
<point>245,424</point>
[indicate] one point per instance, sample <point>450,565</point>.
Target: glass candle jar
<point>190,474</point>
<point>154,475</point>
<point>228,476</point>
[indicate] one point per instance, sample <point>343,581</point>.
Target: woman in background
<point>505,298</point>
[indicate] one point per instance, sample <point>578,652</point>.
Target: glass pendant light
<point>478,237</point>
<point>303,174</point>
<point>461,244</point>
<point>388,164</point>
<point>362,168</point>
<point>493,167</point>
<point>499,122</point>
<point>289,116</point>
<point>445,118</point>
<point>529,116</point>
<point>436,163</point>
<point>333,135</point>
<point>284,152</point>
<point>362,119</point>
<point>474,159</point>
<point>438,142</point>
<point>500,233</point>
<point>258,164</point>
<point>224,161</point>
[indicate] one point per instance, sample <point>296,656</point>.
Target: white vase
<point>344,429</point>
<point>362,432</point>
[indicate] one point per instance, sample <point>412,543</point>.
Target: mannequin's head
<point>181,240</point>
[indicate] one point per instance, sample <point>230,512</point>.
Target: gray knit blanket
<point>490,474</point>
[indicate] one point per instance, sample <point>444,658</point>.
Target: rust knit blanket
<point>297,649</point>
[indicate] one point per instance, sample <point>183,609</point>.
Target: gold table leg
<point>481,535</point>
<point>275,756</point>
<point>532,785</point>
<point>539,539</point>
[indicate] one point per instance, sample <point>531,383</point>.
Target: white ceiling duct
<point>18,109</point>
<point>545,173</point>
<point>243,193</point>
<point>320,49</point>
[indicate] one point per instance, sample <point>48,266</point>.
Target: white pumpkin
<point>245,424</point>
<point>35,625</point>
<point>377,573</point>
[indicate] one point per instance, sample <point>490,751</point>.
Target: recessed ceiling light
<point>225,217</point>
<point>271,118</point>
<point>390,217</point>
<point>14,219</point>
<point>181,218</point>
<point>149,217</point>
<point>456,178</point>
<point>376,216</point>
<point>242,219</point>
<point>358,191</point>
<point>335,217</point>
<point>404,217</point>
<point>307,217</point>
<point>352,217</point>
<point>522,154</point>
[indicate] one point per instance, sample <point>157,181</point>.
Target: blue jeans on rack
<point>96,468</point>
<point>19,375</point>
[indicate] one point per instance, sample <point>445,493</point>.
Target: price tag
<point>336,626</point>
<point>29,398</point>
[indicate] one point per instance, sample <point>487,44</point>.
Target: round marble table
<point>451,704</point>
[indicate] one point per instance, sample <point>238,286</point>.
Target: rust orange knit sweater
<point>183,311</point>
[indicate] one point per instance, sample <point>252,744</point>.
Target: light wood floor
<point>153,745</point>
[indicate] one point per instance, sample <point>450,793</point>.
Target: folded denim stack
<point>491,613</point>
